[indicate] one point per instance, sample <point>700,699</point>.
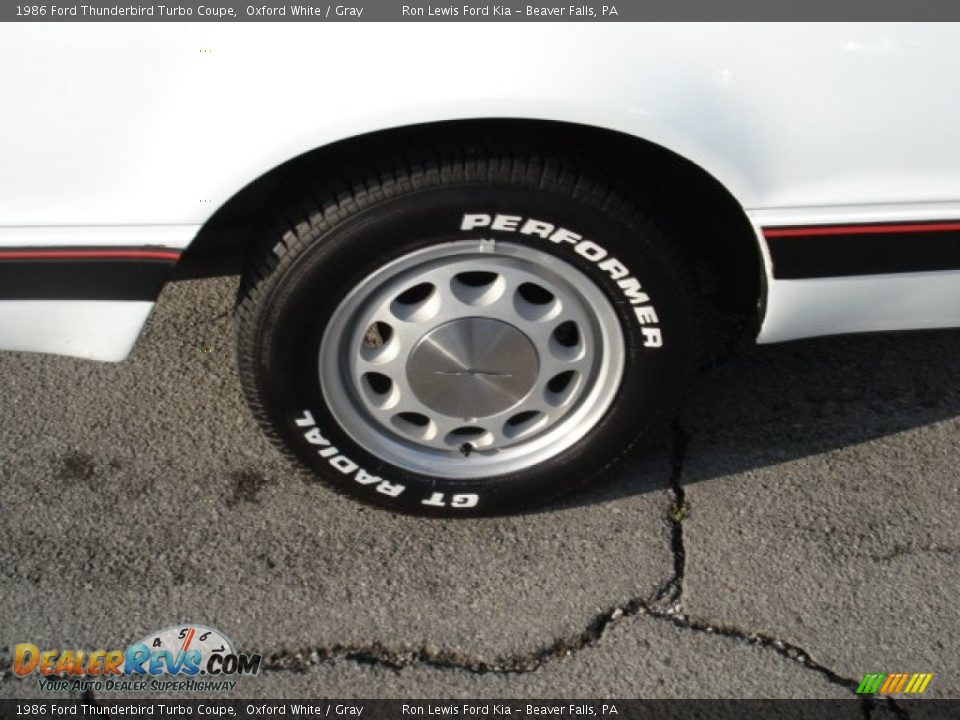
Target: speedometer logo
<point>188,650</point>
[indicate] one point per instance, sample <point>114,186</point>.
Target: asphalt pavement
<point>797,527</point>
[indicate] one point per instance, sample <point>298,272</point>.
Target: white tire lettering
<point>536,227</point>
<point>464,500</point>
<point>507,223</point>
<point>342,463</point>
<point>460,500</point>
<point>646,314</point>
<point>564,235</point>
<point>652,337</point>
<point>314,437</point>
<point>364,478</point>
<point>389,488</point>
<point>474,221</point>
<point>631,288</point>
<point>615,268</point>
<point>590,250</point>
<point>306,420</point>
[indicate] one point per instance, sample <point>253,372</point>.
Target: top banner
<point>481,11</point>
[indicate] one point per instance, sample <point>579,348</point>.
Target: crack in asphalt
<point>672,591</point>
<point>900,551</point>
<point>431,656</point>
<point>674,614</point>
<point>665,606</point>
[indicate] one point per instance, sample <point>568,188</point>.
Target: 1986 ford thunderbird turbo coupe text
<point>479,262</point>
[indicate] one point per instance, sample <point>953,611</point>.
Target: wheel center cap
<point>473,367</point>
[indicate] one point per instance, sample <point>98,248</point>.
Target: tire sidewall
<point>335,257</point>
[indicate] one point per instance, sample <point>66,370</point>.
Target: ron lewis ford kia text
<point>479,262</point>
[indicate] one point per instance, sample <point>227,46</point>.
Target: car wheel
<point>466,337</point>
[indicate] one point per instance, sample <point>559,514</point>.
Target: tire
<point>449,293</point>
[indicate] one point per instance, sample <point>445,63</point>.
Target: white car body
<point>131,135</point>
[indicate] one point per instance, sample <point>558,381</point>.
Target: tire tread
<point>314,211</point>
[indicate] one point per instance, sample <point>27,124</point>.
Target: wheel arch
<point>709,223</point>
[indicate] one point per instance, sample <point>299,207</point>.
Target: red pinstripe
<point>859,229</point>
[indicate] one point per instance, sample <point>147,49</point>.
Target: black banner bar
<point>852,709</point>
<point>478,11</point>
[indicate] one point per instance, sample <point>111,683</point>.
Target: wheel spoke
<point>469,363</point>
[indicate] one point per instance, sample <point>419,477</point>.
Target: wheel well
<point>710,226</point>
